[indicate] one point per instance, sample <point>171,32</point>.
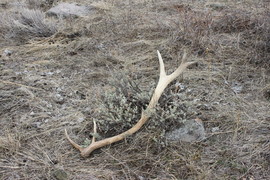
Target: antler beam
<point>163,82</point>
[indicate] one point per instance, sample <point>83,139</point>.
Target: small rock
<point>58,98</point>
<point>237,87</point>
<point>7,52</point>
<point>191,131</point>
<point>266,93</point>
<point>215,129</point>
<point>76,118</point>
<point>36,124</point>
<point>179,87</point>
<point>4,5</point>
<point>60,174</point>
<point>217,6</point>
<point>70,10</point>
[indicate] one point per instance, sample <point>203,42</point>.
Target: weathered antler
<point>163,82</point>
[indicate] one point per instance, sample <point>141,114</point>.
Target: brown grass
<point>56,82</point>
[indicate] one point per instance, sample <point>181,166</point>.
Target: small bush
<point>25,24</point>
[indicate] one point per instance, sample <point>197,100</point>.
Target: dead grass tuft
<point>252,30</point>
<point>9,143</point>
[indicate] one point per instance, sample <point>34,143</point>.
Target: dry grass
<point>56,82</point>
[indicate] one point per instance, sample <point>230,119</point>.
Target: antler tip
<point>75,145</point>
<point>66,132</point>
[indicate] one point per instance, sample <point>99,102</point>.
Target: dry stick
<point>237,127</point>
<point>10,167</point>
<point>17,84</point>
<point>163,82</point>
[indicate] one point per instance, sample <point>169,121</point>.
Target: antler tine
<point>95,131</point>
<point>184,57</point>
<point>163,82</point>
<point>75,145</point>
<point>72,142</point>
<point>184,64</point>
<point>161,65</point>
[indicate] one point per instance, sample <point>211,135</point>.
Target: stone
<point>237,87</point>
<point>60,174</point>
<point>192,131</point>
<point>73,10</point>
<point>217,6</point>
<point>7,52</point>
<point>58,98</point>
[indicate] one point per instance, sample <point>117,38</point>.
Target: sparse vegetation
<point>104,67</point>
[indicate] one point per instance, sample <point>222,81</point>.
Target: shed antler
<point>163,82</point>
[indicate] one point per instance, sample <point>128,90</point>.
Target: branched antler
<point>163,82</point>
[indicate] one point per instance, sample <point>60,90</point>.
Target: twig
<point>18,84</point>
<point>10,167</point>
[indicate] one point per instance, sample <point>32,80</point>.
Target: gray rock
<point>65,10</point>
<point>215,129</point>
<point>60,174</point>
<point>191,131</point>
<point>217,6</point>
<point>58,98</point>
<point>7,52</point>
<point>237,87</point>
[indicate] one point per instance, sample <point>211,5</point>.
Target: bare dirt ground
<point>61,80</point>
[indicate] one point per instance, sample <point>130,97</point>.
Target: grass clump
<point>253,33</point>
<point>236,30</point>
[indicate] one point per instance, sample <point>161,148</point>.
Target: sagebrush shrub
<point>121,108</point>
<point>26,24</point>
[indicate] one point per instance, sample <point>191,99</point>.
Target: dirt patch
<point>51,83</point>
